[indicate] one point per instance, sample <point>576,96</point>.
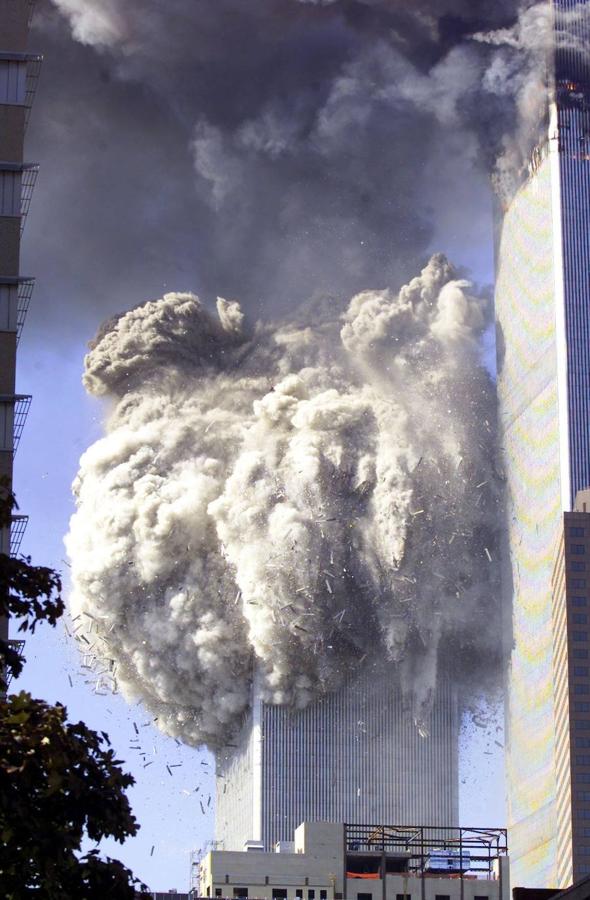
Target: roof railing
<point>24,288</point>
<point>18,527</point>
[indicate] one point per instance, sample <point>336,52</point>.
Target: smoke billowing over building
<point>298,498</point>
<point>304,483</point>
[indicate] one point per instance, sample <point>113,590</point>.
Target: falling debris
<point>358,390</point>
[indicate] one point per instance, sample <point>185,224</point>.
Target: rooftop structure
<point>335,861</point>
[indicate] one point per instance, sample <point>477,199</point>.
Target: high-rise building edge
<point>571,662</point>
<point>19,71</point>
<point>543,324</point>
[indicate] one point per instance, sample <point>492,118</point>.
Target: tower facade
<point>353,756</point>
<point>571,666</point>
<point>543,322</point>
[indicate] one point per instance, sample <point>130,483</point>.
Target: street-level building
<point>335,861</point>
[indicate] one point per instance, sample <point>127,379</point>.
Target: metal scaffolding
<point>22,405</point>
<point>24,288</point>
<point>25,292</point>
<point>18,527</point>
<point>476,850</point>
<point>34,63</point>
<point>29,178</point>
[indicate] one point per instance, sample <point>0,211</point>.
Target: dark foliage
<point>59,782</point>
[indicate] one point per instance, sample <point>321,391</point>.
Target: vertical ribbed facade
<point>543,316</point>
<point>234,807</point>
<point>573,123</point>
<point>571,604</point>
<point>353,756</point>
<point>563,736</point>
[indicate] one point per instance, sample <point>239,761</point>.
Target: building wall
<point>14,28</point>
<point>563,742</point>
<point>14,16</point>
<point>530,436</point>
<point>355,755</point>
<point>573,125</point>
<point>543,314</point>
<point>571,598</point>
<point>318,870</point>
<point>234,808</point>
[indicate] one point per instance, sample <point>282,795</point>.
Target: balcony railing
<point>18,527</point>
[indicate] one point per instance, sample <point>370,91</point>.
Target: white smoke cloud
<point>297,496</point>
<point>97,24</point>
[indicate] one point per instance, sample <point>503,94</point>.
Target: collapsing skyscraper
<point>543,314</point>
<point>354,755</point>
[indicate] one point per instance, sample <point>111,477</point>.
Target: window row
<point>241,893</point>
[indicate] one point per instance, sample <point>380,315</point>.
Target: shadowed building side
<point>571,600</point>
<point>19,71</point>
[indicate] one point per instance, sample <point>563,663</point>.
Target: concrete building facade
<point>333,861</point>
<point>19,71</point>
<point>543,323</point>
<point>353,755</point>
<point>571,662</point>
